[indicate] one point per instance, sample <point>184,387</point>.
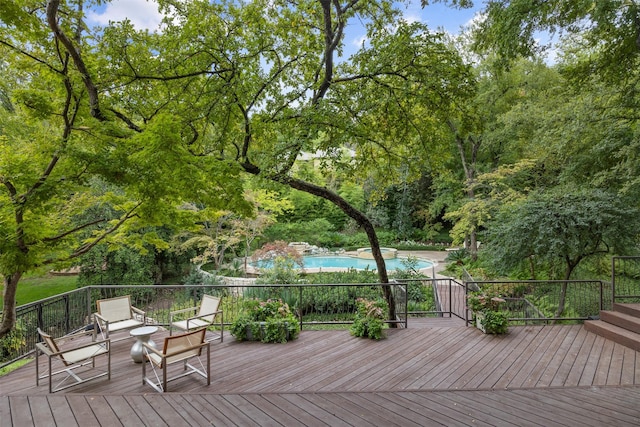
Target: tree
<point>607,32</point>
<point>566,226</point>
<point>263,82</point>
<point>60,134</point>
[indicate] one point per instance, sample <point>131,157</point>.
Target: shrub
<point>369,321</point>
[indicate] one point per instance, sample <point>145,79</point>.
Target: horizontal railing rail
<point>625,279</point>
<point>546,301</point>
<point>315,305</point>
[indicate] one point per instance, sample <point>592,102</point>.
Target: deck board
<point>451,375</point>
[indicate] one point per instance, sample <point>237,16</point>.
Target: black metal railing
<point>625,279</point>
<point>326,304</point>
<point>317,306</point>
<point>546,301</point>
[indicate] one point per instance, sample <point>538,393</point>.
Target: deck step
<point>621,319</point>
<point>614,333</point>
<point>621,325</point>
<point>632,309</point>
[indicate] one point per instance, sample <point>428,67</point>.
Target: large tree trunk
<point>360,218</point>
<point>364,222</point>
<point>563,289</point>
<point>9,305</point>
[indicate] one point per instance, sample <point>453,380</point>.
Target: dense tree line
<point>189,141</point>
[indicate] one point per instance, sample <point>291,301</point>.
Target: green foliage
<point>282,272</point>
<point>11,343</point>
<point>197,277</point>
<point>122,266</point>
<point>266,321</point>
<point>495,322</point>
<point>408,270</point>
<point>605,29</point>
<point>487,308</point>
<point>369,320</point>
<point>564,226</point>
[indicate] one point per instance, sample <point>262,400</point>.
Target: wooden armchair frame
<point>117,314</point>
<point>201,316</point>
<point>177,348</point>
<point>71,360</point>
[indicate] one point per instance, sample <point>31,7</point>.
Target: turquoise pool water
<point>347,262</point>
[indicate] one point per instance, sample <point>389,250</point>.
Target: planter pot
<point>479,322</point>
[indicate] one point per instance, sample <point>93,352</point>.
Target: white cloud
<point>143,14</point>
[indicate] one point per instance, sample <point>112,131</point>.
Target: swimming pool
<point>343,262</point>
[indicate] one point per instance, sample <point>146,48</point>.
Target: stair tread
<point>613,328</point>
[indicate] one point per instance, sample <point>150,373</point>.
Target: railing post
<point>406,305</point>
<point>89,303</point>
<point>67,320</point>
<point>613,280</point>
<point>300,305</point>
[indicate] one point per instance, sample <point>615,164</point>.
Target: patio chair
<point>71,359</point>
<point>117,314</point>
<point>177,348</point>
<point>201,316</point>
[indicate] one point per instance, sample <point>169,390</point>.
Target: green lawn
<point>36,288</point>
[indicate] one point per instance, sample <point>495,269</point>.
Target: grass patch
<point>36,288</point>
<point>14,366</point>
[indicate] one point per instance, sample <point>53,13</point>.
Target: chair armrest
<point>46,350</point>
<point>183,350</point>
<point>137,310</point>
<point>205,315</point>
<point>152,349</point>
<point>184,310</point>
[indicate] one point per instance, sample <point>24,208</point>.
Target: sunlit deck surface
<point>433,373</point>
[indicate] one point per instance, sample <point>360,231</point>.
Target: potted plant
<point>369,320</point>
<point>266,321</point>
<point>487,314</point>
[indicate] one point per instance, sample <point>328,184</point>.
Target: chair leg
<point>208,365</point>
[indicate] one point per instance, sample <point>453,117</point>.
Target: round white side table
<point>142,335</point>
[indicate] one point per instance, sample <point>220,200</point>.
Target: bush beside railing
<point>537,301</point>
<point>315,305</point>
<point>72,311</point>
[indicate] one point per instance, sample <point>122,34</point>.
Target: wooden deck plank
<point>464,351</point>
<point>535,375</point>
<point>541,409</point>
<point>592,360</point>
<point>350,414</point>
<point>628,367</point>
<point>496,365</point>
<point>462,406</point>
<point>469,363</point>
<point>394,411</point>
<point>123,410</point>
<point>615,367</point>
<point>179,404</point>
<point>293,404</point>
<point>21,411</point>
<point>575,370</point>
<point>548,351</point>
<point>212,407</point>
<point>101,410</point>
<point>570,359</point>
<point>603,364</point>
<point>239,405</point>
<point>524,373</point>
<point>440,409</point>
<point>603,412</point>
<point>558,355</point>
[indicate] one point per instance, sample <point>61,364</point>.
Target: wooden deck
<point>438,374</point>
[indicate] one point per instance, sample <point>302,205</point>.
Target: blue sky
<point>144,14</point>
